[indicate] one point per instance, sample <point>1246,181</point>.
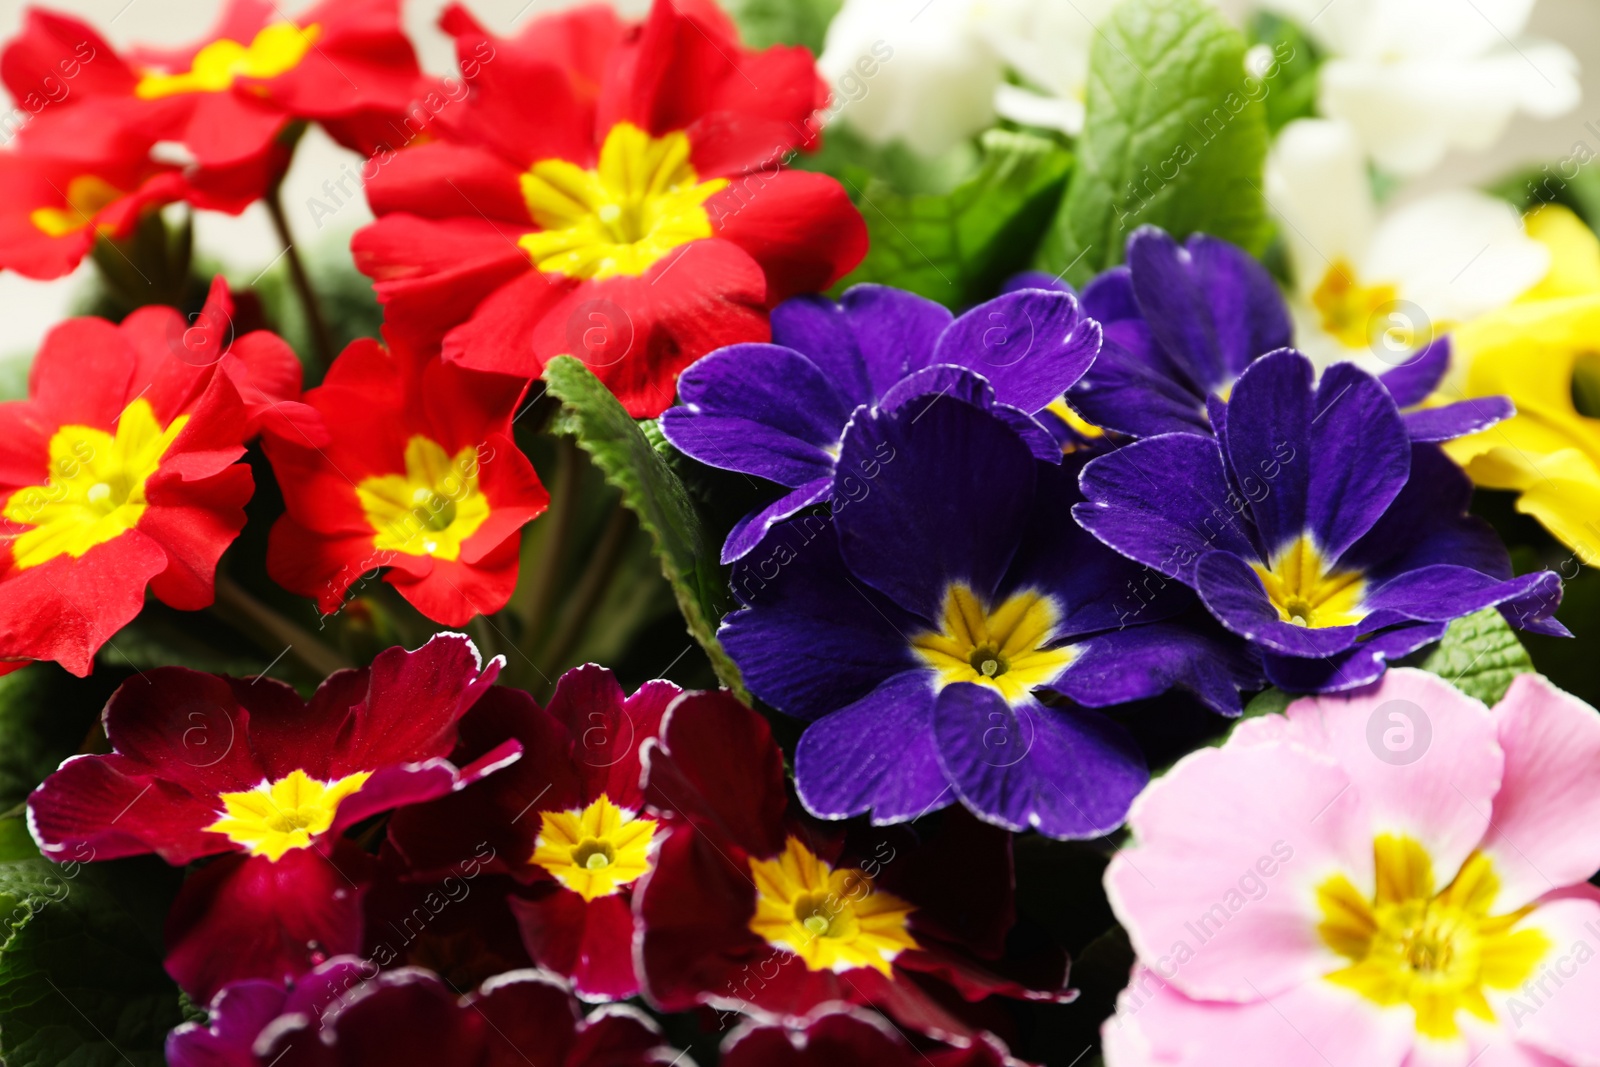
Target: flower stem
<point>316,324</point>
<point>592,585</point>
<point>535,607</point>
<point>240,609</point>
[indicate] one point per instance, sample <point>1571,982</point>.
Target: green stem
<point>250,616</point>
<point>316,324</point>
<point>592,585</point>
<point>559,520</point>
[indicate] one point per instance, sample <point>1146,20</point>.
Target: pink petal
<point>1546,831</point>
<point>1218,893</point>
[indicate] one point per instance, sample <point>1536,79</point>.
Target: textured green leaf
<point>81,981</point>
<point>1171,138</point>
<point>44,715</point>
<point>958,247</point>
<point>1480,655</point>
<point>763,23</point>
<point>684,546</point>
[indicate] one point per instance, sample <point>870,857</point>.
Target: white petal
<point>1317,186</point>
<point>1456,254</point>
<point>911,70</point>
<point>1031,109</point>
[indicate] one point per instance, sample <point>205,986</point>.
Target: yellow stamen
<point>594,851</point>
<point>1307,593</point>
<point>87,196</point>
<point>834,920</point>
<point>642,201</point>
<point>1437,952</point>
<point>1348,307</point>
<point>430,509</point>
<point>277,49</point>
<point>95,489</point>
<point>1003,649</point>
<point>276,817</point>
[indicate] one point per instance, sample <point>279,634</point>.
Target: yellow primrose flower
<point>1540,351</point>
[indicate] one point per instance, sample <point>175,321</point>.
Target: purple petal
<point>812,638</point>
<point>748,531</point>
<point>1133,388</point>
<point>1360,457</point>
<point>1359,665</point>
<point>895,331</point>
<point>1145,661</point>
<point>1443,592</point>
<point>1245,306</point>
<point>949,501</point>
<point>1458,420</point>
<point>1109,298</point>
<point>759,409</point>
<point>1067,772</point>
<point>1428,523</point>
<point>1098,588</point>
<point>1032,345</point>
<point>875,755</point>
<point>237,1015</point>
<point>1164,501</point>
<point>919,388</point>
<point>1412,381</point>
<point>1174,306</point>
<point>1234,594</point>
<point>1035,279</point>
<point>820,330</point>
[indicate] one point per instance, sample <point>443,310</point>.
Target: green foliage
<point>1171,138</point>
<point>685,547</point>
<point>44,715</point>
<point>81,982</point>
<point>1479,655</point>
<point>958,247</point>
<point>1292,83</point>
<point>763,23</point>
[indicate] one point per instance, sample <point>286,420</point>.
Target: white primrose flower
<point>1371,289</point>
<point>1417,78</point>
<point>932,73</point>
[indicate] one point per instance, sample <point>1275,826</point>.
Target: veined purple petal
<point>1246,308</point>
<point>1234,594</point>
<point>820,330</point>
<point>812,637</point>
<point>1031,345</point>
<point>1165,502</point>
<point>1192,654</point>
<point>748,531</point>
<point>875,755</point>
<point>1132,389</point>
<point>1359,665</point>
<point>1428,523</point>
<point>920,388</point>
<point>1458,420</point>
<point>895,331</point>
<point>1067,772</point>
<point>759,409</point>
<point>949,501</point>
<point>1174,306</point>
<point>1414,380</point>
<point>1443,592</point>
<point>1109,297</point>
<point>1360,457</point>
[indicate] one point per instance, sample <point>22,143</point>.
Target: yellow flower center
<point>430,509</point>
<point>594,851</point>
<point>275,817</point>
<point>95,486</point>
<point>834,920</point>
<point>1435,952</point>
<point>1349,309</point>
<point>1002,649</point>
<point>1307,593</point>
<point>641,202</point>
<point>87,196</point>
<point>277,49</point>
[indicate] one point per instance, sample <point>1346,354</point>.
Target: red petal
<point>249,917</point>
<point>800,227</point>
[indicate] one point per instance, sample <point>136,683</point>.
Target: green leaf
<point>81,981</point>
<point>1480,655</point>
<point>684,546</point>
<point>1292,80</point>
<point>763,23</point>
<point>1171,138</point>
<point>44,715</point>
<point>958,247</point>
